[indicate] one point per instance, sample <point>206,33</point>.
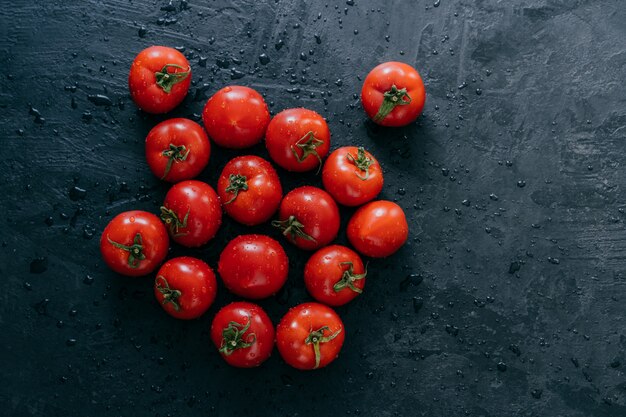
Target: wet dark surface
<point>512,181</point>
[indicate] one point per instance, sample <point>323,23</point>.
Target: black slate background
<point>523,289</point>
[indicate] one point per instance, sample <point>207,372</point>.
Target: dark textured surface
<point>512,181</point>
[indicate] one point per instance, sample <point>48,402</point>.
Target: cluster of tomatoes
<point>254,266</point>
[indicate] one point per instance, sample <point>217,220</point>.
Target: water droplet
<point>77,193</point>
<point>39,265</point>
<point>418,303</point>
<point>521,183</point>
<point>264,59</point>
<point>501,366</point>
<point>100,100</point>
<point>536,393</point>
<point>411,279</point>
<point>514,267</point>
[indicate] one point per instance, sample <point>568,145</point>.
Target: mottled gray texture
<point>533,277</point>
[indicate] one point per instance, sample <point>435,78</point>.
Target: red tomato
<point>243,334</point>
<point>177,149</point>
<point>253,266</point>
<point>310,336</point>
<point>308,217</point>
<point>393,94</point>
<point>378,229</point>
<point>250,189</point>
<point>298,139</point>
<point>185,287</point>
<point>192,212</point>
<point>334,275</point>
<point>236,117</point>
<point>352,176</point>
<point>159,79</point>
<point>134,243</point>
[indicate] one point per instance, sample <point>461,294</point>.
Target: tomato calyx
<point>170,295</point>
<point>392,98</point>
<point>308,146</point>
<point>348,278</point>
<point>166,80</point>
<point>232,337</point>
<point>292,229</point>
<point>135,251</point>
<point>362,162</point>
<point>173,221</point>
<point>315,338</point>
<point>237,182</point>
<point>175,154</point>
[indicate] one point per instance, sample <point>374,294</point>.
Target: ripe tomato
<point>334,275</point>
<point>243,333</point>
<point>250,190</point>
<point>185,287</point>
<point>393,94</point>
<point>159,79</point>
<point>177,149</point>
<point>298,139</point>
<point>378,229</point>
<point>236,117</point>
<point>192,212</point>
<point>134,243</point>
<point>253,266</point>
<point>310,336</point>
<point>308,217</point>
<point>352,176</point>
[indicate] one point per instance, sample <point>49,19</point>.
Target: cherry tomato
<point>308,217</point>
<point>253,266</point>
<point>378,229</point>
<point>192,212</point>
<point>159,79</point>
<point>334,275</point>
<point>310,336</point>
<point>298,139</point>
<point>244,334</point>
<point>393,94</point>
<point>177,149</point>
<point>185,287</point>
<point>236,117</point>
<point>134,243</point>
<point>250,190</point>
<point>352,176</point>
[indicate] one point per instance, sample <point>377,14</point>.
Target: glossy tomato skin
<point>378,229</point>
<point>185,287</point>
<point>134,243</point>
<point>236,117</point>
<point>352,176</point>
<point>382,79</point>
<point>192,212</point>
<point>308,217</point>
<point>177,149</point>
<point>334,275</point>
<point>294,336</point>
<point>293,131</point>
<point>142,79</point>
<point>253,266</point>
<point>254,346</point>
<point>258,200</point>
